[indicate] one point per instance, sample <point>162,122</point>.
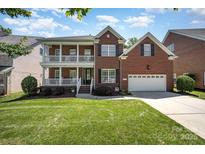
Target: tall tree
<point>130,42</point>
<point>20,49</point>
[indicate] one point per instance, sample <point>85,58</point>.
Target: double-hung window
<point>171,47</point>
<point>108,50</point>
<point>57,73</point>
<point>57,55</point>
<point>147,50</point>
<point>73,53</point>
<point>108,76</point>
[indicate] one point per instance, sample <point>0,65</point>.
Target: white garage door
<point>147,82</point>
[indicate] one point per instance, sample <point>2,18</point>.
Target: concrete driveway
<point>186,110</point>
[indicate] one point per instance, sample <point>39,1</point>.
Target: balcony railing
<point>68,58</point>
<point>57,81</point>
<point>86,58</point>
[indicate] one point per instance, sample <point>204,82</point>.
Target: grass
<point>199,94</point>
<point>195,93</point>
<point>84,121</point>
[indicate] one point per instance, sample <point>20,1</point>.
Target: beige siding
<point>24,66</point>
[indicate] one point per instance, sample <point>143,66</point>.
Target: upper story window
<point>87,52</point>
<point>72,51</point>
<point>57,52</point>
<point>171,47</point>
<point>147,50</point>
<point>108,50</point>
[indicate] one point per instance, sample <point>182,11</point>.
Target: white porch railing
<point>86,58</point>
<point>68,58</point>
<point>78,85</point>
<point>56,82</point>
<point>51,58</point>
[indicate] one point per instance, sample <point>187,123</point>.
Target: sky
<point>127,22</point>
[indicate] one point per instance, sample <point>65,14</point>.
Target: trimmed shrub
<point>29,84</point>
<point>58,91</point>
<point>45,91</point>
<point>104,90</point>
<point>185,83</point>
<point>193,76</point>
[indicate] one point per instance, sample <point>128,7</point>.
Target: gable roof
<point>14,39</point>
<point>149,35</point>
<point>110,29</point>
<point>198,33</point>
<point>70,38</point>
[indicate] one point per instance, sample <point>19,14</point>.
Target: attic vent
<point>108,35</point>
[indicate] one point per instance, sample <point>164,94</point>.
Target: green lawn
<point>196,93</point>
<point>200,94</point>
<point>84,121</point>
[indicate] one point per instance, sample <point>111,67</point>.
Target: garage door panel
<point>140,82</point>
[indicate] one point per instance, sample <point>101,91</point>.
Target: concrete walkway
<point>186,110</point>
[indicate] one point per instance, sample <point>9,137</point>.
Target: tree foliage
<point>130,42</point>
<point>20,49</point>
<point>13,13</point>
<point>14,50</point>
<point>80,12</point>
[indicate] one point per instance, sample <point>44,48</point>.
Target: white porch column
<point>43,77</point>
<point>60,52</point>
<point>77,73</point>
<point>60,76</point>
<point>43,55</point>
<point>77,52</point>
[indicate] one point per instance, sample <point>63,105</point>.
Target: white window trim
<point>108,75</point>
<point>72,50</point>
<point>171,47</point>
<point>73,72</point>
<point>87,50</point>
<point>108,51</point>
<point>55,75</point>
<point>150,51</point>
<point>57,51</point>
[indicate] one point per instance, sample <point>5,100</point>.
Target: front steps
<point>84,89</point>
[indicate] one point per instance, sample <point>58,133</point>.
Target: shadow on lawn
<point>26,97</point>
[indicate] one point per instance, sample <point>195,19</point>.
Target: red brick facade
<point>137,64</point>
<point>191,54</point>
<point>106,62</point>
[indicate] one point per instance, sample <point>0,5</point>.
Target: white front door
<point>146,82</point>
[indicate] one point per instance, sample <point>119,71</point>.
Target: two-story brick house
<point>86,61</point>
<point>189,46</point>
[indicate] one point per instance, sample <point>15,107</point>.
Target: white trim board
<point>110,29</point>
<point>149,35</point>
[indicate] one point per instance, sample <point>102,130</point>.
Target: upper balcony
<point>68,59</point>
<point>69,55</point>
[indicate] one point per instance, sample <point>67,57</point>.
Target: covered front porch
<point>67,76</point>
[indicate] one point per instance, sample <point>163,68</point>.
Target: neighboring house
<point>189,46</point>
<point>84,61</point>
<point>13,70</point>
